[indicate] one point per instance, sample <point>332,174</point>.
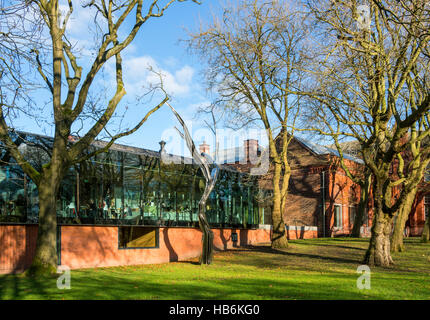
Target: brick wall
<point>97,246</point>
<point>417,216</point>
<point>303,206</point>
<point>17,247</point>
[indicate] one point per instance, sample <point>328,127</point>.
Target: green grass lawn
<point>309,269</point>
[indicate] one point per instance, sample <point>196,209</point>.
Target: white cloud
<point>185,74</point>
<point>190,111</point>
<point>177,78</point>
<point>171,62</point>
<point>137,76</point>
<point>80,20</point>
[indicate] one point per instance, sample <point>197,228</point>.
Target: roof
<point>133,150</point>
<point>236,154</point>
<point>323,150</point>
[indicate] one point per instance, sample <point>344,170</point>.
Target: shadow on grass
<point>325,244</point>
<point>19,286</point>
<point>195,263</point>
<point>269,250</point>
<point>120,287</point>
<point>211,284</point>
<point>329,240</point>
<point>298,276</point>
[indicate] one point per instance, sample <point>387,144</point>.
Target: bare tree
<point>63,72</point>
<point>203,160</point>
<point>253,52</point>
<point>416,159</point>
<point>216,114</point>
<point>20,35</point>
<point>369,68</point>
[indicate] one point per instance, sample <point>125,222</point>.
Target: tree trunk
<point>207,237</point>
<point>378,253</point>
<point>358,220</point>
<point>400,222</point>
<point>45,259</point>
<point>425,237</point>
<point>279,235</point>
<point>362,206</point>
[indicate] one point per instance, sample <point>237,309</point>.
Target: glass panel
<point>337,216</point>
<point>427,206</point>
<point>67,199</point>
<point>90,190</point>
<point>112,191</point>
<point>12,193</point>
<point>32,202</point>
<point>132,186</point>
<point>352,213</point>
<point>184,200</point>
<point>171,176</point>
<point>128,188</point>
<point>150,189</point>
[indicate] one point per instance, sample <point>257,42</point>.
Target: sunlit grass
<point>308,269</point>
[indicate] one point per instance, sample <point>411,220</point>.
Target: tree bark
<point>46,258</point>
<point>399,225</point>
<point>362,206</point>
<point>279,235</point>
<point>378,252</point>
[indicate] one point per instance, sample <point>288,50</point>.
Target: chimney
<point>204,148</point>
<point>162,144</point>
<point>250,148</point>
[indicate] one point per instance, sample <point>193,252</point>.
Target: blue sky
<point>157,44</point>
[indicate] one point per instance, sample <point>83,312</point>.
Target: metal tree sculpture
<point>203,160</point>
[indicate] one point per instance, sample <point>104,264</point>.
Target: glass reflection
<point>127,188</point>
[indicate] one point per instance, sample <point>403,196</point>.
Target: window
<point>427,206</point>
<point>366,217</point>
<point>338,216</point>
<point>128,186</point>
<point>427,174</point>
<point>352,214</point>
<point>137,237</point>
<point>12,193</point>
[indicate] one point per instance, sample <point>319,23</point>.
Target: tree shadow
<point>325,244</point>
<point>21,286</point>
<point>224,240</point>
<point>195,263</point>
<point>244,237</point>
<point>22,256</point>
<point>173,256</point>
<point>285,252</point>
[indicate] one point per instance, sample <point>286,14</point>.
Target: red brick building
<point>320,195</point>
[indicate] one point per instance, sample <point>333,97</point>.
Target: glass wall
<point>130,188</point>
<point>13,195</point>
